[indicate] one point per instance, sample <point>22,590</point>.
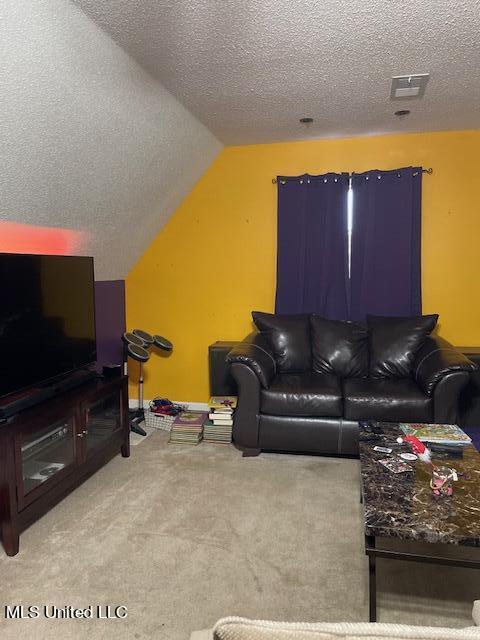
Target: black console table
<point>48,450</point>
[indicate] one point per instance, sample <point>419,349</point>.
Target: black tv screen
<point>47,318</point>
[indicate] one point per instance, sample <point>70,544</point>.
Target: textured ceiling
<point>249,69</point>
<point>89,141</point>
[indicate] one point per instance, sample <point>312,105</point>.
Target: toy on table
<point>442,477</point>
<point>442,481</point>
<point>370,431</point>
<point>418,448</point>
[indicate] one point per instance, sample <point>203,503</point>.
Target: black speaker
<point>221,382</point>
<point>112,370</point>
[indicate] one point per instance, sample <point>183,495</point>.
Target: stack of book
<point>437,434</point>
<point>218,427</point>
<point>188,427</point>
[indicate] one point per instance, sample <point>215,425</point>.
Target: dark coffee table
<point>402,506</point>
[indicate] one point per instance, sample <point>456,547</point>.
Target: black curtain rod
<point>429,171</point>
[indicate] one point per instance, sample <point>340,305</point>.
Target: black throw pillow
<point>395,342</point>
<point>289,338</point>
<point>339,347</point>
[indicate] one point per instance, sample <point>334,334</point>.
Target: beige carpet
<point>183,536</point>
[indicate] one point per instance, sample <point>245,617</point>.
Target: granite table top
<point>402,505</point>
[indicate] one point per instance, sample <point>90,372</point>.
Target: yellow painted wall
<point>214,261</point>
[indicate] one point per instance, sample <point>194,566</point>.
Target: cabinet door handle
<point>85,431</point>
<point>80,435</point>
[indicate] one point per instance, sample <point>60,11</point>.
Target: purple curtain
<point>385,245</point>
<point>312,245</point>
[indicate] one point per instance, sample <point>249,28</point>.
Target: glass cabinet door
<point>102,420</point>
<point>46,453</point>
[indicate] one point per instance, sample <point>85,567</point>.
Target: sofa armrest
<point>246,420</point>
<point>255,353</point>
<point>446,397</point>
<point>436,359</point>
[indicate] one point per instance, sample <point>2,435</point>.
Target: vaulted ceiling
<point>113,109</point>
<point>95,153</point>
<point>249,69</point>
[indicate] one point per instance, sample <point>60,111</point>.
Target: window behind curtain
<point>348,247</point>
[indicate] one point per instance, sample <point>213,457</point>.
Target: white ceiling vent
<point>411,86</point>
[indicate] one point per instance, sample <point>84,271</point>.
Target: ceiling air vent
<point>410,86</point>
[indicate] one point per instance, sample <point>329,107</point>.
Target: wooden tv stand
<point>48,450</point>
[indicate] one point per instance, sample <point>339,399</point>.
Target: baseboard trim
<point>192,406</point>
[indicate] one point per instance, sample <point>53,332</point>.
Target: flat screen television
<point>47,319</point>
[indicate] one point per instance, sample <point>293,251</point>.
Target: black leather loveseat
<point>304,382</point>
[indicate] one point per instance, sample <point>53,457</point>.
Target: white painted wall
<point>88,140</point>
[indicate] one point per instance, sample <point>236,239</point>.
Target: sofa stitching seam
<point>252,344</point>
<point>431,354</point>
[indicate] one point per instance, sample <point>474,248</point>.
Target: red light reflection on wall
<point>28,238</point>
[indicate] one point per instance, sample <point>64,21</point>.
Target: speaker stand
<point>136,417</point>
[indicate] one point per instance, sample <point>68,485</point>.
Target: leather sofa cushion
<point>339,347</point>
<point>288,337</point>
<point>387,400</point>
<point>308,434</point>
<point>395,342</point>
<point>303,394</point>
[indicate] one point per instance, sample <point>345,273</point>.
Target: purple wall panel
<point>110,320</point>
